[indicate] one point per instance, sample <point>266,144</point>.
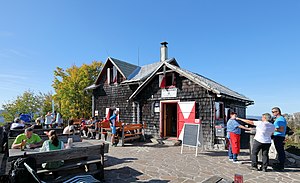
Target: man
<point>70,129</point>
<point>279,137</point>
<point>27,138</point>
<point>262,140</point>
<point>234,133</point>
<point>113,120</point>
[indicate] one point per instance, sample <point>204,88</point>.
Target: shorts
<point>113,130</point>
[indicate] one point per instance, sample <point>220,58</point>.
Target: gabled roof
<point>125,68</point>
<point>141,73</point>
<point>200,80</point>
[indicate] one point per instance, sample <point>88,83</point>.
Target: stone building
<point>165,96</point>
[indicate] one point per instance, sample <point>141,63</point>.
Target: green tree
<point>69,85</point>
<point>28,103</point>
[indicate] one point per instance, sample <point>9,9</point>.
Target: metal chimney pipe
<point>163,51</point>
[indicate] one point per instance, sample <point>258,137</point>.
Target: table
<point>15,153</point>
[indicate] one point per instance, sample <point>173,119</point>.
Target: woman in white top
<point>48,120</point>
<point>262,140</point>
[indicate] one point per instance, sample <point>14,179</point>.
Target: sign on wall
<point>170,92</point>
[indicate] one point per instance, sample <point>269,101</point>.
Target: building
<point>165,96</point>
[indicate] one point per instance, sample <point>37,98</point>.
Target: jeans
<point>279,145</point>
<point>230,154</point>
<point>256,147</point>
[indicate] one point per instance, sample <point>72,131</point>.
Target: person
<point>17,124</point>
<point>48,120</point>
<point>233,134</point>
<point>40,120</point>
<point>279,137</point>
<point>113,120</point>
<point>262,140</point>
<point>28,138</point>
<point>50,145</point>
<point>70,129</point>
<point>83,128</point>
<point>59,120</point>
<point>92,127</point>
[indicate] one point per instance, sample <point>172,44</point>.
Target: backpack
<point>18,172</point>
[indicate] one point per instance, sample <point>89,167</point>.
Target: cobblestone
<point>161,163</point>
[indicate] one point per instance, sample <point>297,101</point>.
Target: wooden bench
<point>104,127</point>
<point>62,137</point>
<point>132,132</point>
<point>77,160</point>
<point>16,132</point>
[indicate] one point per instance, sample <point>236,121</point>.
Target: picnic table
<point>80,155</point>
<point>16,132</point>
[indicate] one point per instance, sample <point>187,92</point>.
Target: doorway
<point>169,125</point>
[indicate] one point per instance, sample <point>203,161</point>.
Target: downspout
<point>211,118</point>
<point>138,113</point>
<point>133,112</point>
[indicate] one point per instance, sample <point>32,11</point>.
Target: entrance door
<point>169,119</point>
<point>186,114</point>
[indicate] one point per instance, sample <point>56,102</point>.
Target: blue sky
<point>251,47</point>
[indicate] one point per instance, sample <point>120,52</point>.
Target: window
<point>169,80</point>
<point>219,108</point>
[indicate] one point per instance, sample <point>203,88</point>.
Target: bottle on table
<point>23,144</point>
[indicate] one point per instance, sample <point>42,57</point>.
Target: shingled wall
<point>114,96</point>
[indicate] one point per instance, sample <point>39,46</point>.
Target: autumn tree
<point>72,100</point>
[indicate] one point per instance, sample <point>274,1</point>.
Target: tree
<point>27,103</point>
<point>69,85</point>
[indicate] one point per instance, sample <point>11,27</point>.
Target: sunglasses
<point>274,111</point>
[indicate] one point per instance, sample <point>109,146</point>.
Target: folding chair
<point>76,179</point>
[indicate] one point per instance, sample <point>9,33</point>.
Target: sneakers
<point>236,161</point>
<point>230,159</point>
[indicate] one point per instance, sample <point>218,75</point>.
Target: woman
<point>52,144</point>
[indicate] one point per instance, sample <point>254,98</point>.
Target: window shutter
<point>162,81</point>
<point>115,71</point>
<point>108,75</point>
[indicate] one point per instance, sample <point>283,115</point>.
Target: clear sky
<point>252,47</point>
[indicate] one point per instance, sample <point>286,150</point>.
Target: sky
<point>252,47</point>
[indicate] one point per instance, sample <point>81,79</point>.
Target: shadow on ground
<point>111,161</point>
<point>128,174</point>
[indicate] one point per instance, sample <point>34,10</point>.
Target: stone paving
<point>163,163</point>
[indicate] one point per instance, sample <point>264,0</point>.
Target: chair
<point>76,179</point>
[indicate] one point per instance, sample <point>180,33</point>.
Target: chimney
<point>163,51</point>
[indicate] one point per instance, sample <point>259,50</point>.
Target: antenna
<point>107,53</point>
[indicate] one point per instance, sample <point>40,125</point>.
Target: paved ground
<point>161,163</point>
